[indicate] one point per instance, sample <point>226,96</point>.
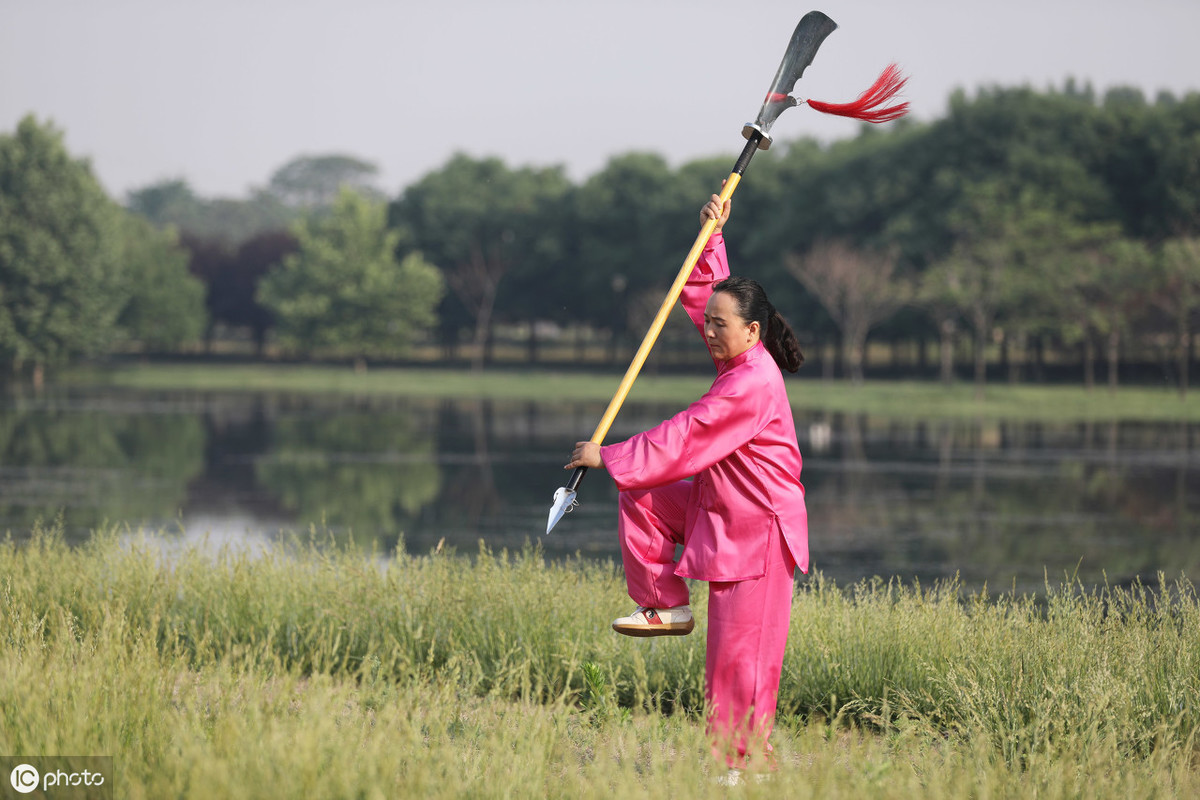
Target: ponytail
<point>781,343</point>
<point>753,306</point>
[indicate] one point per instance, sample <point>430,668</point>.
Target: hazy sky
<point>223,92</point>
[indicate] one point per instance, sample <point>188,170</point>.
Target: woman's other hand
<point>586,454</point>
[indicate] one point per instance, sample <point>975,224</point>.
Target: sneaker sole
<point>672,629</point>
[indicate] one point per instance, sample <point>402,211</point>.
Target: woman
<point>741,519</point>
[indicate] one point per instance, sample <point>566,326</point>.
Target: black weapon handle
<point>576,477</point>
<point>743,161</point>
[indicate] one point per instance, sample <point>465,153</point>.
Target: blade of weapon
<point>807,37</point>
<point>810,33</point>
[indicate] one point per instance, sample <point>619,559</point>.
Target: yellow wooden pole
<point>660,319</point>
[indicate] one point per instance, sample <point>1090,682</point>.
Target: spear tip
<point>564,501</point>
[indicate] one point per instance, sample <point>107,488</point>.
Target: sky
<point>222,93</point>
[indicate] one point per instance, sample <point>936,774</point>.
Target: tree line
<point>1027,229</point>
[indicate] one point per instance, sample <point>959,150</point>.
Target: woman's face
<point>727,333</point>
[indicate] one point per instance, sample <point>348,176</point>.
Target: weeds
<point>309,670</point>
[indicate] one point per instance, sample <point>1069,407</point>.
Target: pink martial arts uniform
<point>741,520</point>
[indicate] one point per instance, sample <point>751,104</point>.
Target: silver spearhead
<point>564,501</point>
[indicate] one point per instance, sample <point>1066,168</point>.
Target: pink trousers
<point>747,620</point>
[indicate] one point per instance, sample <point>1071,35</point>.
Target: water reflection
<point>102,462</point>
<point>1003,503</point>
<point>358,471</point>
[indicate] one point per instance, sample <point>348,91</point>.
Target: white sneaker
<point>735,777</point>
<point>656,622</point>
<point>731,778</point>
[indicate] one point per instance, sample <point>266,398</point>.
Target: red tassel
<point>866,107</point>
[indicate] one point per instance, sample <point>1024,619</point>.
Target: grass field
<point>312,671</point>
<point>899,399</point>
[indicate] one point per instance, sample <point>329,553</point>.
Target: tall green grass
<point>316,671</point>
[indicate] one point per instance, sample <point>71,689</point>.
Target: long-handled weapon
<point>811,31</point>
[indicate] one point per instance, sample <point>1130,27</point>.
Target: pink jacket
<point>739,443</point>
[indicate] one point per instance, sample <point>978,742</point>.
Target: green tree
<point>311,182</point>
<point>480,221</point>
<point>1150,160</point>
<point>631,235</point>
<point>1101,282</point>
<point>343,290</point>
<point>937,293</point>
<point>1002,231</point>
<point>229,221</point>
<point>165,302</point>
<point>168,202</point>
<point>1179,296</point>
<point>636,219</point>
<point>60,278</point>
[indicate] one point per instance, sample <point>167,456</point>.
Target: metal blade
<point>564,501</point>
<point>811,31</point>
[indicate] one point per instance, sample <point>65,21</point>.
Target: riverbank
<point>884,399</point>
<point>307,670</point>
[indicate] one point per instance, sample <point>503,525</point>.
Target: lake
<point>996,503</point>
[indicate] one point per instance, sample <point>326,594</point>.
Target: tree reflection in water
<point>93,460</point>
<point>996,502</point>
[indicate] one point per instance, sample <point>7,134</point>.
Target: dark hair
<point>753,306</point>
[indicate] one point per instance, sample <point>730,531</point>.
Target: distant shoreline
<point>905,399</point>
